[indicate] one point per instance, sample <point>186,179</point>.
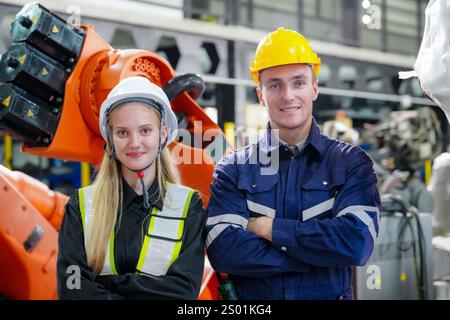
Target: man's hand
<point>261,226</point>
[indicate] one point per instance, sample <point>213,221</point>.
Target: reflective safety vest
<point>162,242</point>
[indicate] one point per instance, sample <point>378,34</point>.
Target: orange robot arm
<point>61,120</point>
<point>29,219</point>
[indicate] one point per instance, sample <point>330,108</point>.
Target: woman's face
<point>135,131</point>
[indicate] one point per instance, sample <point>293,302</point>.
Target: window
<point>123,39</point>
<point>324,75</point>
<point>269,15</point>
<point>168,49</point>
<point>208,58</point>
<point>347,76</point>
<point>374,79</point>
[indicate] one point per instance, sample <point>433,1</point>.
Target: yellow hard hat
<point>281,47</point>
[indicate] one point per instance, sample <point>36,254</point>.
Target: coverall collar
<point>129,194</point>
<point>270,142</point>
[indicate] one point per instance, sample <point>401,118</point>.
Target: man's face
<point>288,91</point>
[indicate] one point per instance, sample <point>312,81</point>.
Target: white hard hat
<point>139,89</point>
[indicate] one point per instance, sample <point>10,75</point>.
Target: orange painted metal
<point>208,290</point>
<point>25,274</point>
<point>50,204</point>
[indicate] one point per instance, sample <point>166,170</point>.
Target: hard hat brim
<point>170,118</point>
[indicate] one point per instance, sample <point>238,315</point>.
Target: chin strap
<point>140,174</point>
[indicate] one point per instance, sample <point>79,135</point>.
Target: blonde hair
<point>108,200</point>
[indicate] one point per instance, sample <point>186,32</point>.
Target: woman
<point>135,209</point>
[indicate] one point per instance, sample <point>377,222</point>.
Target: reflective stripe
<point>261,209</point>
<point>318,209</point>
<point>145,245</point>
<point>222,222</point>
<point>361,213</point>
<point>214,232</point>
<point>82,210</point>
<point>177,249</point>
<point>156,254</point>
<point>160,253</point>
<point>86,208</point>
<point>110,268</point>
<point>158,257</point>
<point>175,200</point>
<point>229,219</point>
<point>364,208</point>
<point>85,196</point>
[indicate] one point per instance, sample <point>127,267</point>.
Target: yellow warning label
<point>378,281</point>
<point>44,72</point>
<point>35,19</point>
<point>30,113</point>
<point>403,277</point>
<point>22,58</point>
<point>55,29</point>
<point>6,101</point>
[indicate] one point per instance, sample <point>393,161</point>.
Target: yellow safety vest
<point>162,243</point>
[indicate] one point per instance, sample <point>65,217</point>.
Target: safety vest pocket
<point>166,228</point>
<point>162,244</point>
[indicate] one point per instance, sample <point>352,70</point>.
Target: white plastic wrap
<point>433,60</point>
<point>440,189</point>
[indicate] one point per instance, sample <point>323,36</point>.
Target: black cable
<point>422,253</point>
<point>405,224</point>
<point>422,278</point>
<point>417,269</point>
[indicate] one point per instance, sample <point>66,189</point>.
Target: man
<point>296,232</point>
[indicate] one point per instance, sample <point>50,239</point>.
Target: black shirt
<point>182,280</point>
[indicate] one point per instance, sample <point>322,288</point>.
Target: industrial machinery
<point>401,264</point>
<point>400,267</point>
<point>54,79</point>
<point>410,137</point>
<point>402,146</point>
